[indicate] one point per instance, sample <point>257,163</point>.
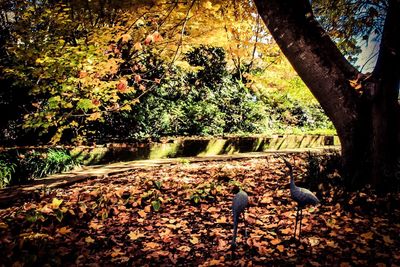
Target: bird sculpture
<point>239,204</point>
<point>302,196</point>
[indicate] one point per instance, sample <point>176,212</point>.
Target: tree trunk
<point>366,120</point>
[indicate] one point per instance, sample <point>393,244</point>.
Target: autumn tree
<point>78,63</point>
<point>364,108</point>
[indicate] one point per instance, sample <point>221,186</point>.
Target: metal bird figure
<point>302,196</point>
<point>239,204</point>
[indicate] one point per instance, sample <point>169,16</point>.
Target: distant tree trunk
<point>367,120</point>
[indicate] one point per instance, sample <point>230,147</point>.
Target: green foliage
<point>204,192</point>
<point>348,22</point>
<point>77,73</point>
<point>56,161</point>
<point>295,108</point>
<point>7,170</point>
<point>186,103</point>
<point>17,167</point>
<point>212,64</point>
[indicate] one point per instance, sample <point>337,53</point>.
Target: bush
<point>202,100</point>
<point>288,112</point>
<point>6,172</point>
<point>18,168</point>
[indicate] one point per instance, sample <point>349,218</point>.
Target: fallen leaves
<point>95,225</point>
<point>142,213</point>
<point>89,240</point>
<point>388,240</point>
<point>368,235</point>
<point>55,204</point>
<point>134,235</point>
<point>275,241</point>
<point>64,230</point>
<point>146,217</point>
<point>194,240</point>
<point>281,248</point>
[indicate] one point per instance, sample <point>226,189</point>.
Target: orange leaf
<point>142,213</point>
<point>46,210</point>
<point>348,229</point>
<point>148,39</point>
<point>281,248</point>
<point>147,209</point>
<point>157,37</point>
<point>151,245</point>
<point>368,235</point>
<point>135,235</point>
<point>213,210</point>
<point>266,200</point>
<point>275,241</point>
<point>222,245</point>
<point>194,240</point>
<point>64,230</point>
<point>138,78</point>
<point>184,248</point>
<point>126,38</point>
<point>331,244</point>
<point>117,252</point>
<point>82,74</point>
<point>222,220</point>
<point>167,232</point>
<point>89,240</point>
<point>95,225</point>
<point>313,241</point>
<point>138,46</point>
<point>122,85</point>
<point>387,239</point>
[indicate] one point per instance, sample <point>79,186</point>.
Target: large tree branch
<point>315,58</point>
<point>388,62</point>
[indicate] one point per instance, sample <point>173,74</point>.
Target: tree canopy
<point>75,67</point>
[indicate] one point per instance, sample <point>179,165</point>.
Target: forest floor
<point>181,215</point>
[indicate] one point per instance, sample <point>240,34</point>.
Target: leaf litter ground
<point>181,215</point>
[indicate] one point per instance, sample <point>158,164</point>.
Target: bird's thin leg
<point>301,218</point>
<point>245,226</point>
<point>295,227</point>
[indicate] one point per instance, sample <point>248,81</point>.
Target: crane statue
<point>302,196</point>
<point>239,204</point>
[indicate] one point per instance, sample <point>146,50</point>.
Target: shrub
<point>18,168</point>
<point>7,169</point>
<point>56,161</point>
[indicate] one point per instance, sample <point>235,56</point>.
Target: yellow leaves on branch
<point>126,38</point>
<point>122,85</point>
<point>138,46</point>
<point>157,37</point>
<point>94,116</point>
<point>153,38</point>
<point>137,78</point>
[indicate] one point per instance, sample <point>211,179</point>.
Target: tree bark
<point>367,121</point>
